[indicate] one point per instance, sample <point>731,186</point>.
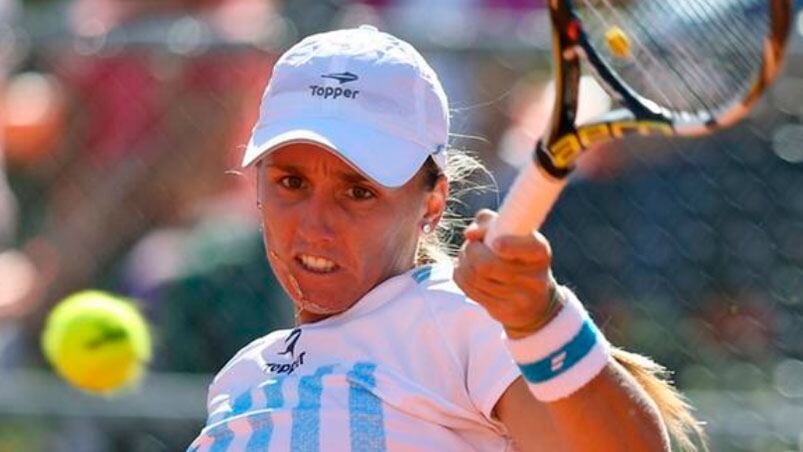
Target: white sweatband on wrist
<point>564,355</point>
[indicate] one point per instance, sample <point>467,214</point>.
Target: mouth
<point>316,264</point>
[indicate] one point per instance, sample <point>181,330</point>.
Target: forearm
<point>611,412</point>
<point>590,401</point>
<point>573,395</point>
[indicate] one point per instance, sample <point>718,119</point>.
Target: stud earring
<point>426,228</point>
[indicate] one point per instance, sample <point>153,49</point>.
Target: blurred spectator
<point>7,202</point>
<point>159,103</point>
<point>17,273</point>
<point>148,139</point>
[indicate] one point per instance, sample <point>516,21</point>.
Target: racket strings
<point>643,51</point>
<point>608,24</point>
<point>686,55</point>
<point>710,74</point>
<point>684,87</point>
<point>698,51</point>
<point>733,28</point>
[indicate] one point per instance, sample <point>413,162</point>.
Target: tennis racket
<point>675,67</point>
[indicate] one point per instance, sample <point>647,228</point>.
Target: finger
<point>483,268</point>
<point>477,229</point>
<point>532,249</point>
<point>479,260</point>
<point>487,263</point>
<point>510,307</point>
<point>485,216</point>
<point>529,293</point>
<point>480,293</point>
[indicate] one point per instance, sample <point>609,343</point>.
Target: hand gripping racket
<point>676,67</point>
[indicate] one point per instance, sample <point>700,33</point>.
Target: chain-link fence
<point>120,134</point>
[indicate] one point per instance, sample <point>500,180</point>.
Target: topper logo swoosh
<point>342,77</point>
<point>291,340</point>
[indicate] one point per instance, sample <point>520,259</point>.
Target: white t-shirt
<point>414,365</point>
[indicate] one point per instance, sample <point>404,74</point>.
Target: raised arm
<point>596,404</point>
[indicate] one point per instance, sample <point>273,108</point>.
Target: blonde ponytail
<point>675,410</point>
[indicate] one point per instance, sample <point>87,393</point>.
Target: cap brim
<point>383,158</point>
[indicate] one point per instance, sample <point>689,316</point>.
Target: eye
<point>360,193</point>
<point>291,182</point>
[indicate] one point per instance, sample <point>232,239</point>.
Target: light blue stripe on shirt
<point>273,393</point>
<point>422,274</point>
<point>262,423</point>
<point>365,410</point>
<point>241,404</point>
<point>262,430</point>
<point>222,437</point>
<point>307,415</point>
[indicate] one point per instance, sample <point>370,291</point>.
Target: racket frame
<point>557,152</point>
<point>539,185</point>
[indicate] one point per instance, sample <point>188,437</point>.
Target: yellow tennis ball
<point>618,42</point>
<point>97,342</point>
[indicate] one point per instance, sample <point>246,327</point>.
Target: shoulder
<point>457,317</point>
<point>245,367</point>
<point>249,358</point>
<point>472,336</point>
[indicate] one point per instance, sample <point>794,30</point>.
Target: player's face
<point>331,234</point>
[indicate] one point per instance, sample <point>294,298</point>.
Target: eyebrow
<point>353,177</point>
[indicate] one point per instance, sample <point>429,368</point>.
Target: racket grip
<point>527,204</point>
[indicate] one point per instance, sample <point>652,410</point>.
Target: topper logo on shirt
<point>290,349</point>
<point>291,340</point>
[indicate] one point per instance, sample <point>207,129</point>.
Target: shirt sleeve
<point>475,338</point>
<point>489,367</point>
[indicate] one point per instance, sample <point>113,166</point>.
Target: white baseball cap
<point>365,95</point>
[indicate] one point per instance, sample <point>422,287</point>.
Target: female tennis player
<point>353,177</point>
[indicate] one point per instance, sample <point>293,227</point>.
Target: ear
<point>435,202</point>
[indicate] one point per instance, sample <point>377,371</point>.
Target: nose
<point>318,218</point>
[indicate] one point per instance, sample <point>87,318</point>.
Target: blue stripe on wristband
<point>564,358</point>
